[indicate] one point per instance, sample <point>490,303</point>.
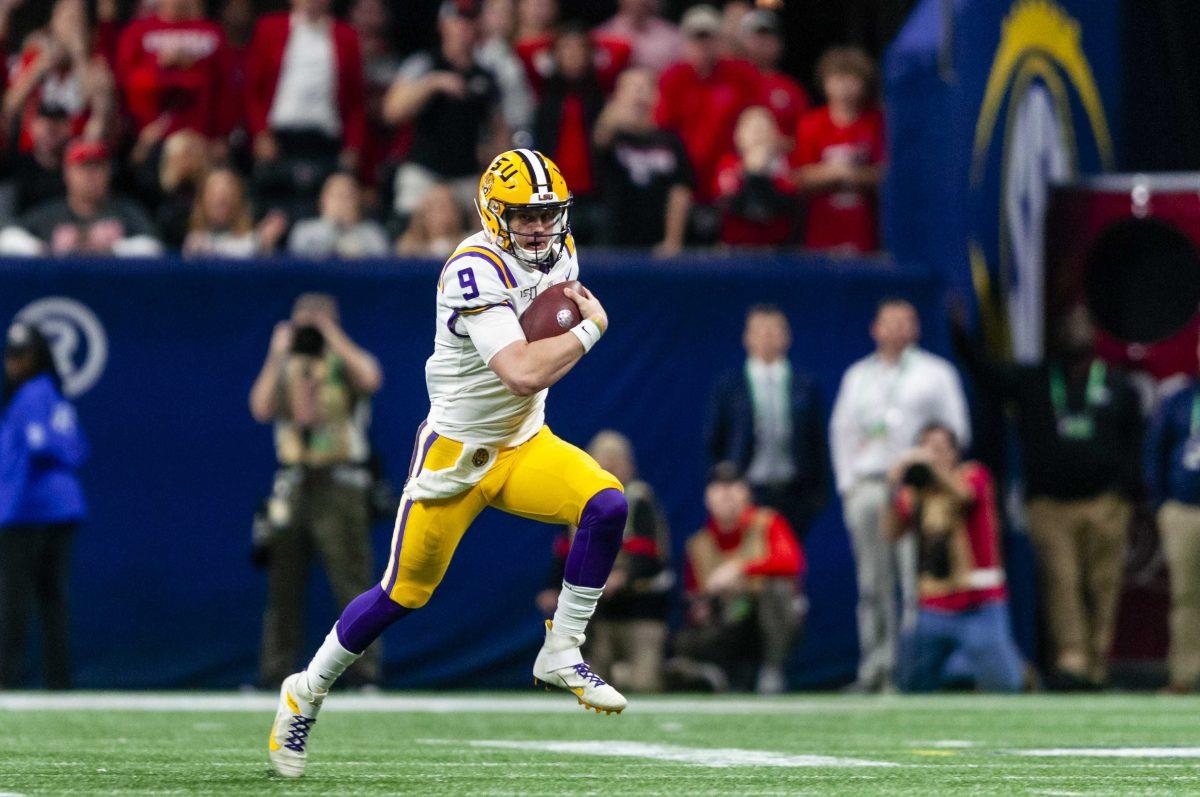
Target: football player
<point>485,443</point>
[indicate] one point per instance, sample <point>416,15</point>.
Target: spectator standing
<point>176,65</point>
<point>1172,464</point>
<point>305,104</point>
<point>36,176</point>
<point>222,225</point>
<point>1080,426</point>
<point>169,177</point>
<point>340,230</point>
<point>629,631</point>
<point>495,53</point>
<point>762,35</point>
<point>453,104</point>
<point>743,586</point>
<point>950,506</point>
<point>436,228</point>
<point>41,505</point>
<point>90,220</point>
<point>571,101</point>
<point>57,67</point>
<point>884,400</point>
<point>535,47</point>
<point>315,386</point>
<point>754,185</point>
<point>839,154</point>
<point>655,42</point>
<point>645,175</point>
<point>702,96</point>
<point>372,21</point>
<point>766,418</point>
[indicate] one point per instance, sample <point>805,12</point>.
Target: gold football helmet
<point>525,181</point>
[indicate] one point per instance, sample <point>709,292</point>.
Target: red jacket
<point>197,96</point>
<point>262,76</point>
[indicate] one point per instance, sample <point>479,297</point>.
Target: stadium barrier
<point>161,357</point>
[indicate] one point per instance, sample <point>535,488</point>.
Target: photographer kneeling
<point>951,506</point>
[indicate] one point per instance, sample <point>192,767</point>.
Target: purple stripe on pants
<point>408,506</point>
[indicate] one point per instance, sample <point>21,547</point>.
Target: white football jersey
<point>481,293</point>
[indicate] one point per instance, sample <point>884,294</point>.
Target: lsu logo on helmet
<point>525,180</point>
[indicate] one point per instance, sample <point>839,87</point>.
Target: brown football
<point>551,313</point>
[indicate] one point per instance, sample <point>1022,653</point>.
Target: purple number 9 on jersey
<point>466,279</point>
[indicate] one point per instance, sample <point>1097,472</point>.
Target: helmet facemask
<point>539,250</point>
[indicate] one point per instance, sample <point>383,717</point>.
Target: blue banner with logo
<point>989,102</point>
<point>160,358</point>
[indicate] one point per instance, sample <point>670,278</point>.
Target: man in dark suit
<point>767,418</point>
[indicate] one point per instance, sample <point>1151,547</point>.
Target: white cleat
<point>297,713</point>
<point>560,665</point>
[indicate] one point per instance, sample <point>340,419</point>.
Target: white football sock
<point>575,607</point>
<point>330,661</point>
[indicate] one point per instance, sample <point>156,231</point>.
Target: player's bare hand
<point>589,306</point>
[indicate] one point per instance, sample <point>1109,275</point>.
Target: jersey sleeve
<point>474,286</point>
<point>491,330</point>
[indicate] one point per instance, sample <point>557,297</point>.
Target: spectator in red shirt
<point>305,104</point>
<point>963,601</point>
<point>535,46</point>
<point>57,67</point>
<point>762,35</point>
<point>701,97</point>
<point>570,104</point>
<point>177,64</point>
<point>656,42</point>
<point>839,154</point>
<point>757,195</point>
<point>743,587</point>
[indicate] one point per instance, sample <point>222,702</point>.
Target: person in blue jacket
<point>41,504</point>
<point>1172,468</point>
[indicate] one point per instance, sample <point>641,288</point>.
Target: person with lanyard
<point>767,418</point>
<point>1172,469</point>
<point>1079,423</point>
<point>41,505</point>
<point>884,401</point>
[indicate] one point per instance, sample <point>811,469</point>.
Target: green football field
<point>508,743</point>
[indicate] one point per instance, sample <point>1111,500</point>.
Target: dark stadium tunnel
<point>1142,280</point>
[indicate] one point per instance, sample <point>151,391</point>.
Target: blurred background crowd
<point>237,128</point>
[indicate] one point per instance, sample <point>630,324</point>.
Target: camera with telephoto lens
<point>308,340</point>
<point>918,475</point>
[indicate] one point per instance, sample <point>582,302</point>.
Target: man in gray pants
<point>884,401</point>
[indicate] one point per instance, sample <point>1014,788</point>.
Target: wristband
<point>588,332</point>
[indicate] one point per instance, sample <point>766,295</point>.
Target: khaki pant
<point>331,520</point>
<point>1180,527</point>
<point>1081,556</point>
<point>880,565</point>
<point>631,650</point>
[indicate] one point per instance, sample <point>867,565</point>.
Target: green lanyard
<point>879,427</point>
<point>785,386</point>
<point>1195,429</point>
<point>1078,426</point>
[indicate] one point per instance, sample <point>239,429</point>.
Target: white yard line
<point>700,756</point>
<point>1111,753</point>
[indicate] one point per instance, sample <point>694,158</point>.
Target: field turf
<point>507,743</point>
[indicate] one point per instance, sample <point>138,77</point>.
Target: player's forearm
<point>527,368</point>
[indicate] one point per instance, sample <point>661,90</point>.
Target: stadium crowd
<point>219,131</point>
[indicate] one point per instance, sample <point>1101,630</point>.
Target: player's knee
<point>411,595</point>
<point>606,511</point>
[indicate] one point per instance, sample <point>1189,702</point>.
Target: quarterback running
<point>485,443</point>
